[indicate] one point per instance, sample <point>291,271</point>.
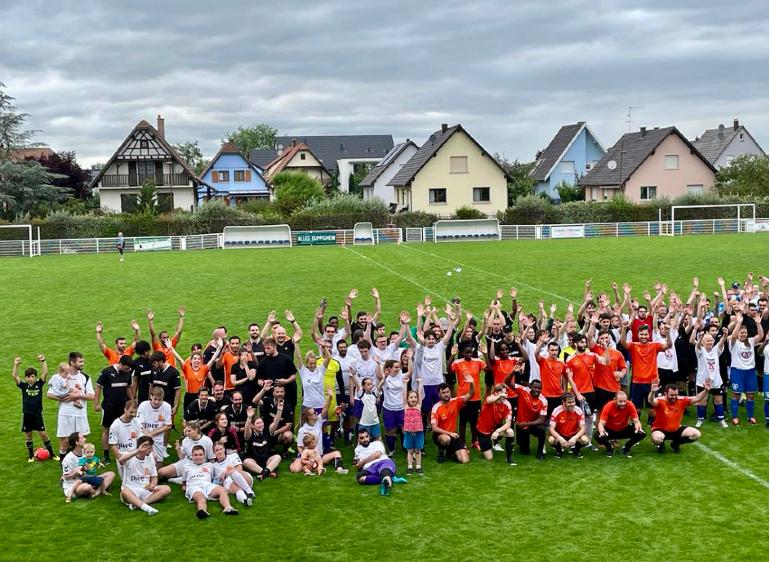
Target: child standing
<point>369,419</point>
<point>312,463</point>
<point>32,404</point>
<point>414,437</point>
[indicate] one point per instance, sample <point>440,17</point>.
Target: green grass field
<point>701,504</point>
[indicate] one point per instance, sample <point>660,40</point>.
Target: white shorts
<point>67,425</point>
<point>205,490</point>
<point>141,493</point>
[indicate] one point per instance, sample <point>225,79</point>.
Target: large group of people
<point>490,382</point>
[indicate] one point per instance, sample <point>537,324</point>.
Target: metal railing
<point>126,180</point>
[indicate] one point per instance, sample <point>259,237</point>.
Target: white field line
<point>719,456</point>
<point>484,271</point>
<point>396,273</point>
<point>734,465</point>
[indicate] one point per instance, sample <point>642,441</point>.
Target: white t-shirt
<point>666,359</point>
<point>151,419</point>
<point>345,363</point>
<point>220,467</point>
<point>742,354</point>
<point>362,452</point>
<point>708,367</point>
<point>204,441</point>
<point>198,475</point>
<point>339,335</point>
<point>69,464</point>
<point>369,412</point>
<point>432,369</point>
<point>766,355</point>
<point>124,434</point>
<point>393,393</point>
<point>353,352</point>
<point>534,366</point>
<point>391,351</point>
<point>137,473</point>
<point>79,381</point>
<point>315,430</point>
<point>365,369</point>
<point>313,386</point>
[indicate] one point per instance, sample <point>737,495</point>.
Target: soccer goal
<point>742,220</point>
<point>20,240</point>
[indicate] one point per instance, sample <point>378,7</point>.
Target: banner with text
<point>572,231</point>
<point>316,238</point>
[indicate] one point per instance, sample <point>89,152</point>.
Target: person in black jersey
<point>259,456</point>
<point>32,404</point>
<point>114,384</point>
<point>142,371</point>
<point>280,369</point>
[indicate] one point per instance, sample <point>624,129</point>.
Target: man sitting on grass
<point>373,464</point>
<point>200,488</point>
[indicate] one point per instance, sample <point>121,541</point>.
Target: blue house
<point>572,153</point>
<point>233,178</point>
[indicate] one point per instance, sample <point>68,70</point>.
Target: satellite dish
<point>612,164</point>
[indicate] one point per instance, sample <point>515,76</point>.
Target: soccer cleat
<point>722,423</point>
<point>249,501</point>
<point>736,421</point>
<point>399,480</point>
<point>610,453</point>
<point>752,421</point>
<point>419,470</point>
<point>409,471</point>
<point>106,462</point>
<point>557,455</point>
<point>497,448</point>
<point>576,453</point>
<point>202,514</point>
<point>661,448</point>
<point>626,453</point>
<point>31,459</point>
<point>131,507</point>
<point>231,511</point>
<point>384,488</point>
<point>512,463</point>
<point>698,423</point>
<point>540,456</point>
<point>441,458</point>
<point>675,447</point>
<point>342,470</point>
<point>56,458</point>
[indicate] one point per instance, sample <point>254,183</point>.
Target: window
<point>128,203</point>
<point>240,175</point>
<point>567,167</point>
<point>301,155</point>
<point>671,162</point>
<point>695,189</point>
<point>165,202</point>
<point>224,175</point>
<point>481,195</point>
<point>145,168</point>
<point>144,144</point>
<point>740,136</point>
<point>458,164</point>
<point>437,195</point>
<point>648,192</point>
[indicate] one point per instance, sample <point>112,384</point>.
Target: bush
<point>414,219</point>
<point>344,204</point>
<point>294,189</point>
<point>468,212</point>
<point>569,192</point>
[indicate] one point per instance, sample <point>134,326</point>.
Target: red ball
<point>42,454</point>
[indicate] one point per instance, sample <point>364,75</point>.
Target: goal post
<point>744,221</point>
<point>27,245</point>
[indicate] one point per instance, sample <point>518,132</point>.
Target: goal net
<point>19,240</point>
<point>707,219</point>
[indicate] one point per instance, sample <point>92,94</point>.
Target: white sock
<point>147,508</point>
<point>241,482</point>
<point>240,495</point>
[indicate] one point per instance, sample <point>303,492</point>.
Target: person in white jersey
<point>707,354</point>
<point>743,378</point>
<point>154,416</point>
<point>192,436</point>
<point>199,485</point>
<point>124,433</point>
<point>139,486</point>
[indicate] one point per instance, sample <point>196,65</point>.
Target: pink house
<point>649,164</point>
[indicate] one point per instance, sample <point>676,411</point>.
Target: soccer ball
<point>449,274</point>
<point>42,454</point>
<point>458,269</point>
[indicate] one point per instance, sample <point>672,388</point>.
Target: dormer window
<point>144,144</point>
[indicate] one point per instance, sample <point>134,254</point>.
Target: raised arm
<point>15,371</point>
<point>293,321</point>
<point>514,303</point>
<point>179,324</point>
<point>100,337</point>
<point>151,324</point>
<point>377,304</point>
<point>267,328</point>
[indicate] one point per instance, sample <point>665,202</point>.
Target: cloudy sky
<point>510,72</point>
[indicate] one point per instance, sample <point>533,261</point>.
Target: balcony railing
<point>126,180</point>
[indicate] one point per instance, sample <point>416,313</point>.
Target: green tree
<point>147,202</point>
<point>519,182</point>
<point>259,137</point>
<point>192,154</point>
<point>570,192</point>
<point>294,189</point>
<point>745,175</point>
<point>359,173</point>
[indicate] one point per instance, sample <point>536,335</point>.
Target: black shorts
<point>625,433</point>
<point>601,397</point>
<point>720,391</point>
<point>109,415</point>
<point>553,403</point>
<point>590,397</point>
<point>667,376</point>
<point>454,444</point>
<point>485,442</point>
<point>32,422</point>
<point>671,435</point>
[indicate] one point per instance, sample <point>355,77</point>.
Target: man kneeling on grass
<point>373,464</point>
<point>140,478</point>
<point>669,410</point>
<point>568,427</point>
<point>200,488</point>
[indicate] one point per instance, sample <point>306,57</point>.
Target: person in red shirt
<point>568,429</point>
<point>494,421</point>
<point>443,422</point>
<point>552,372</point>
<point>469,414</point>
<point>114,355</point>
<point>669,409</point>
<point>607,377</point>
<point>160,341</point>
<point>613,424</point>
<point>644,363</point>
<point>530,415</point>
<point>227,359</point>
<point>580,374</point>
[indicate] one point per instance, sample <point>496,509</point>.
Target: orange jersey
<point>604,375</point>
<point>551,375</point>
<point>228,360</point>
<point>501,368</point>
<point>668,417</point>
<point>444,414</point>
<point>644,361</point>
<point>493,416</point>
<point>615,418</point>
<point>157,346</point>
<point>582,369</point>
<point>113,356</point>
<point>529,408</point>
<point>567,423</point>
<point>193,380</point>
<point>462,368</point>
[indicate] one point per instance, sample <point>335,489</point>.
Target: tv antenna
<point>628,115</point>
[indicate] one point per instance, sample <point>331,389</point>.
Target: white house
<point>375,184</point>
<point>721,145</point>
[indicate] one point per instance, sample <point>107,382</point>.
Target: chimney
<point>643,130</point>
<point>735,124</point>
<point>161,127</point>
<point>443,127</point>
<point>294,142</point>
<point>721,127</point>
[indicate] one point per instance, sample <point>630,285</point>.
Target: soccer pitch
<point>709,502</point>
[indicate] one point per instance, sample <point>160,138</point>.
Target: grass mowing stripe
<point>404,277</point>
<point>492,273</point>
<point>734,465</point>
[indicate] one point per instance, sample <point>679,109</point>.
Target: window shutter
<point>247,175</point>
<point>214,176</point>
